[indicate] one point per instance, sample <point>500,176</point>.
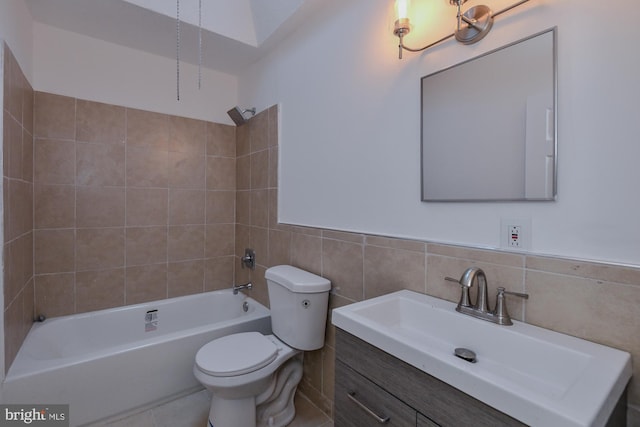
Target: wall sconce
<point>472,25</point>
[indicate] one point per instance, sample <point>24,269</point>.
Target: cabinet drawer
<point>425,422</point>
<point>361,403</point>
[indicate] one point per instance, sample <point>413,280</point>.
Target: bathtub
<point>112,361</point>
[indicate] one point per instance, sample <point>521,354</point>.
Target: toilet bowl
<point>253,377</point>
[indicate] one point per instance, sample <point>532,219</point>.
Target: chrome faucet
<point>481,308</point>
<point>238,288</point>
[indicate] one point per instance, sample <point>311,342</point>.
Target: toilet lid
<point>236,354</point>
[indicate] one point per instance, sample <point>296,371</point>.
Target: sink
<point>539,377</point>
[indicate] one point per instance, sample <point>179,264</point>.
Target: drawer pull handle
<point>352,396</point>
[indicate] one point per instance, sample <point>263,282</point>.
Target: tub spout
<point>237,288</point>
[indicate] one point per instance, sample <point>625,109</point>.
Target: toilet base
<point>274,407</point>
<point>232,412</point>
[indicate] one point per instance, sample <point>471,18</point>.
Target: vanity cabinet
<point>371,385</point>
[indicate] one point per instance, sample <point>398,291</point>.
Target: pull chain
<point>178,49</point>
<point>199,43</point>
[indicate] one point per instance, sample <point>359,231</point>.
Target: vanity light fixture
<point>472,25</point>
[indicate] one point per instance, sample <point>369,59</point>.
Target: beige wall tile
<point>12,147</point>
<point>187,135</point>
<point>273,168</point>
<point>259,131</point>
<point>185,278</point>
<point>593,270</point>
<point>259,170</point>
<point>221,173</point>
<point>388,270</point>
<point>54,206</point>
<point>99,248</point>
<point>147,168</point>
<point>243,207</point>
<point>390,242</point>
<point>186,242</point>
<point>186,206</point>
<point>97,290</point>
<point>54,251</point>
<point>146,129</point>
<point>100,206</point>
<point>98,122</point>
<point>260,208</point>
<point>54,162</point>
<point>343,263</point>
<point>147,206</point>
<point>146,245</point>
<point>260,245</point>
<point>480,255</point>
<point>55,294</point>
<point>27,156</point>
<point>219,240</point>
<point>145,283</point>
<point>218,273</point>
<point>54,116</point>
<point>221,207</point>
<point>243,142</point>
<point>306,252</point>
<point>243,173</point>
<point>221,140</point>
<point>100,164</point>
<point>279,247</point>
<point>273,125</point>
<point>19,209</point>
<point>186,170</point>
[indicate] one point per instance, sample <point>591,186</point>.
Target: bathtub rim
<point>51,364</point>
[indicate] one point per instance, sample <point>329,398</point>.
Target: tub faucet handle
<point>249,259</point>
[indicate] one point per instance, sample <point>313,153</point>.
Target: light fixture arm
<point>474,30</point>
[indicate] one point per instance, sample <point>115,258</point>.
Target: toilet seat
<point>236,354</point>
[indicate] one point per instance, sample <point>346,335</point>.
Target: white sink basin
<point>540,377</point>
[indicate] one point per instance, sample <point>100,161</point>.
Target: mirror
<point>489,125</point>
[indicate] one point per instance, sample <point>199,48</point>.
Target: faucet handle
<point>465,301</point>
<point>501,312</point>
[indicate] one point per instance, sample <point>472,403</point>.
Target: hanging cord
<point>178,49</point>
<point>199,43</point>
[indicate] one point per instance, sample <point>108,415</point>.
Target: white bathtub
<point>111,361</point>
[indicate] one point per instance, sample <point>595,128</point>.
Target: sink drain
<point>465,354</point>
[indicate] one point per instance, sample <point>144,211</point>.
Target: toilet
<point>253,377</point>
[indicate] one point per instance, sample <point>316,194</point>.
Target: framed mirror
<point>488,130</point>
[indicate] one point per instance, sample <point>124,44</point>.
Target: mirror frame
<point>554,54</point>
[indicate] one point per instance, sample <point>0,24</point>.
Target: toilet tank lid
<point>297,280</point>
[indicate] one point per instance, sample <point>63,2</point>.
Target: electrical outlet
<point>515,236</point>
<point>515,233</point>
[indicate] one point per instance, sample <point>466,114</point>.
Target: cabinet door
<point>425,422</point>
<point>361,403</point>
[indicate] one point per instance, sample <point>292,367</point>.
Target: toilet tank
<point>299,302</point>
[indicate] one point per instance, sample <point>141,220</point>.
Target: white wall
<point>350,127</point>
<point>15,29</point>
<point>70,64</point>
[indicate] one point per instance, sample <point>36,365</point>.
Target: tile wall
<point>17,186</point>
<point>594,301</point>
<point>129,205</point>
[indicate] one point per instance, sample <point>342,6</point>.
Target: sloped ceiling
<point>234,33</point>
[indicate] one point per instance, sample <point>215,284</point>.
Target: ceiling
<point>234,33</point>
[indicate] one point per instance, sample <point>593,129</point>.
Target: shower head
<point>237,115</point>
